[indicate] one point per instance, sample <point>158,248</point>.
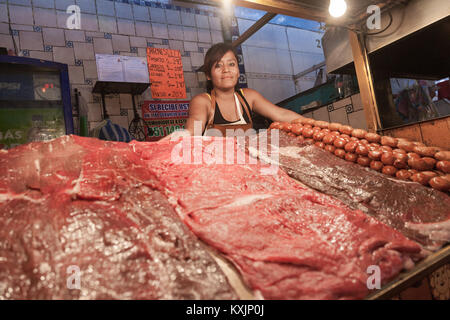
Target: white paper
<point>135,69</point>
<point>109,67</point>
<point>122,68</point>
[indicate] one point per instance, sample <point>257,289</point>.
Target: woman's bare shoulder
<point>201,98</point>
<point>251,96</point>
<point>250,92</point>
<point>200,102</point>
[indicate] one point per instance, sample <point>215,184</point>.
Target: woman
<point>225,106</point>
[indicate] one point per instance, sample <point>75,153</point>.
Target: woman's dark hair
<point>213,55</point>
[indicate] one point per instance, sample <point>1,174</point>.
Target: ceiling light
<point>227,5</point>
<point>337,8</point>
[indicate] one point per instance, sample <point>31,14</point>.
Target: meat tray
<point>419,272</point>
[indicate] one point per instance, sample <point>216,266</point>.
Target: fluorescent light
<point>337,8</point>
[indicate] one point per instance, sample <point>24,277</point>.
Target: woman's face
<point>225,73</point>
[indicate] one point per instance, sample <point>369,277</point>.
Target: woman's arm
<point>198,115</point>
<point>267,109</point>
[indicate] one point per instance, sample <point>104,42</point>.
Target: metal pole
<point>105,114</point>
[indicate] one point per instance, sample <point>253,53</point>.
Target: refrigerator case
<point>34,101</point>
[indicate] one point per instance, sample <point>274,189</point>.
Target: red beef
<point>92,204</point>
<point>278,233</point>
<point>420,213</point>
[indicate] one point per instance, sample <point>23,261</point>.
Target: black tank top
<point>219,119</point>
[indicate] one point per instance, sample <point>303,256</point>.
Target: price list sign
<point>166,73</point>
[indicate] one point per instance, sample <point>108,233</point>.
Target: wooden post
<point>365,82</point>
<point>255,27</point>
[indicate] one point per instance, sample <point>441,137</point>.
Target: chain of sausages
<point>396,157</point>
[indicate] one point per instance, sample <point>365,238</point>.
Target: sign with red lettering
<point>164,117</point>
<point>166,73</point>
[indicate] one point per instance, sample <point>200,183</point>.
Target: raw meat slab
<point>420,213</point>
<point>93,205</point>
<point>289,242</point>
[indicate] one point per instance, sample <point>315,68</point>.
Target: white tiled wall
<point>20,15</point>
<point>143,29</point>
<point>120,42</point>
<point>321,114</point>
<point>269,60</point>
<point>269,36</point>
<point>188,19</point>
<point>173,17</point>
<point>123,10</point>
<point>53,36</point>
<point>112,27</point>
<point>64,55</point>
<point>126,27</point>
<point>273,89</point>
<point>275,51</point>
<point>74,35</point>
<point>105,8</point>
<point>304,40</point>
<point>107,24</point>
<point>303,60</point>
<point>103,46</point>
<point>158,15</point>
<point>345,111</point>
<point>44,17</point>
<point>142,15</point>
<point>31,40</point>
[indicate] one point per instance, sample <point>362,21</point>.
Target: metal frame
<point>407,279</point>
<point>289,8</point>
<point>137,126</point>
<point>255,27</point>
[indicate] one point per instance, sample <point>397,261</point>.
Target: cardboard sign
<point>164,117</point>
<point>166,73</point>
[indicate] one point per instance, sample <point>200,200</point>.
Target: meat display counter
<point>410,278</point>
<point>153,215</point>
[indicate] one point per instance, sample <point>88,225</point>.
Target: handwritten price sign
<point>166,73</point>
